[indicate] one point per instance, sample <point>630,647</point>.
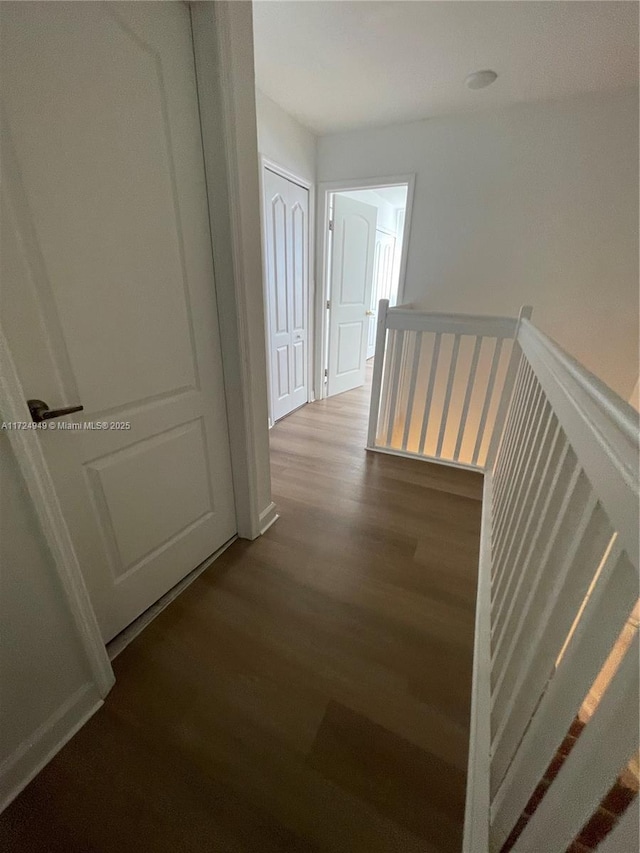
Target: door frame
<point>40,487</point>
<point>226,105</point>
<point>325,190</point>
<point>287,174</point>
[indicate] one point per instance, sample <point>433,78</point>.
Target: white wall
<point>284,140</point>
<point>248,257</point>
<point>46,686</point>
<point>223,40</point>
<point>536,204</point>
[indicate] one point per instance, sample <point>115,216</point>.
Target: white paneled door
<point>382,282</point>
<point>108,297</point>
<point>286,223</point>
<point>352,255</point>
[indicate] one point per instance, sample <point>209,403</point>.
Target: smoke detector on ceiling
<point>481,79</point>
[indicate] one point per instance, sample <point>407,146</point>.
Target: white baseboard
<point>267,517</point>
<point>405,454</point>
<point>477,816</point>
<point>36,751</point>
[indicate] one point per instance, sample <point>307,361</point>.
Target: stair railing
<point>555,719</point>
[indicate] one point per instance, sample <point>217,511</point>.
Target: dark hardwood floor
<point>309,692</point>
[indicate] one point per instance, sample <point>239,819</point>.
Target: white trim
<point>34,469</point>
<point>39,748</point>
<point>268,517</point>
<point>276,168</point>
<point>219,74</point>
<point>476,817</point>
<point>325,190</point>
<point>265,292</point>
<point>406,454</point>
<point>410,319</point>
<point>279,169</point>
<point>376,382</point>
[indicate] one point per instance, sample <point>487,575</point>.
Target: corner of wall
<point>223,39</point>
<point>283,139</point>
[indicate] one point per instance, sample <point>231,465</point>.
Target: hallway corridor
<point>308,692</point>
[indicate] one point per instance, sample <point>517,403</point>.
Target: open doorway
<point>390,204</point>
<point>363,257</point>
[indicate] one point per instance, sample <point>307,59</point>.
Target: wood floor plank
<point>409,785</point>
<point>308,692</point>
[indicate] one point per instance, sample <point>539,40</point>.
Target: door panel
<point>299,378</point>
<point>349,346</point>
<point>382,282</point>
<point>353,254</point>
<point>143,497</point>
<point>286,222</point>
<point>108,297</point>
<point>283,386</point>
<point>352,257</point>
<point>298,245</point>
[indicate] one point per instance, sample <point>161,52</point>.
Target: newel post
<point>376,385</point>
<point>525,314</point>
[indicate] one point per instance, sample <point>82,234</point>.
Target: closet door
<point>286,223</point>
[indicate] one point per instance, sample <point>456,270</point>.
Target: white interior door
<point>108,296</point>
<point>286,223</point>
<point>382,281</point>
<point>352,253</point>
